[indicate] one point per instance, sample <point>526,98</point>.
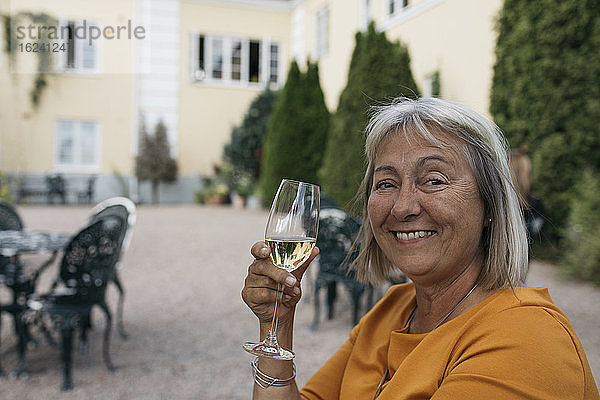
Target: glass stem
<point>272,335</point>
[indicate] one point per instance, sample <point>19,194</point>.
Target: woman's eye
<point>434,181</point>
<point>384,185</point>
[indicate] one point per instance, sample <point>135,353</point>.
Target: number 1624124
<point>42,47</point>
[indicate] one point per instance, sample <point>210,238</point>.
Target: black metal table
<point>13,275</point>
<point>19,242</point>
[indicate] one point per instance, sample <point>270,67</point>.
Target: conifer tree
<point>244,151</point>
<point>581,257</point>
<point>296,133</point>
<point>546,93</point>
<point>154,162</point>
<point>379,71</point>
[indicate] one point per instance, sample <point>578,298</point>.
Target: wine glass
<point>291,234</point>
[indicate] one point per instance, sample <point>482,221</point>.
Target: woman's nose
<point>406,204</point>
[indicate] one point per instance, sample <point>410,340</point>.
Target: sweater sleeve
<point>515,356</point>
<point>326,382</point>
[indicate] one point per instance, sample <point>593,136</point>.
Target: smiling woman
<point>439,206</point>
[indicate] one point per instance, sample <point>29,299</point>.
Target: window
<point>396,5</point>
<point>77,146</point>
<point>201,53</point>
<point>274,67</point>
<point>227,60</point>
<point>254,62</point>
<point>65,135</point>
<point>217,58</point>
<point>322,32</point>
<point>236,60</point>
<point>87,143</point>
<point>81,53</point>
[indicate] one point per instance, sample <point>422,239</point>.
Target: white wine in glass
<point>291,234</point>
<point>290,253</point>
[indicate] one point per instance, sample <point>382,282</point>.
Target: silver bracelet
<point>265,381</point>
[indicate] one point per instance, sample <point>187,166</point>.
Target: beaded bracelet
<point>265,381</point>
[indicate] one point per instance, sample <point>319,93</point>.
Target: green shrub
<point>154,162</point>
<point>245,149</point>
<point>5,193</point>
<point>582,237</point>
<point>436,85</point>
<point>244,153</point>
<point>217,187</point>
<point>546,94</point>
<point>296,133</point>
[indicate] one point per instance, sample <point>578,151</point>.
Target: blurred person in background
<point>533,208</point>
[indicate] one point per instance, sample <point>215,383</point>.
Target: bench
<point>32,186</point>
<point>42,188</point>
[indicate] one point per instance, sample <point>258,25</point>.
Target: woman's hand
<point>260,286</point>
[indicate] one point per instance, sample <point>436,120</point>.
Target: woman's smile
<point>410,236</point>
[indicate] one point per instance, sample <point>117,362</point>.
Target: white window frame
<point>322,34</point>
<point>80,45</point>
<point>77,165</point>
<point>264,62</point>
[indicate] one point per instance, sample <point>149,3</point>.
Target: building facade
<point>196,65</point>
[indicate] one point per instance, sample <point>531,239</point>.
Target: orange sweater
<point>513,345</point>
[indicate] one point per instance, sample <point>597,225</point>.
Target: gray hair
<point>504,240</point>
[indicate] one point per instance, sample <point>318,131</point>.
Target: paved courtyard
<point>183,274</point>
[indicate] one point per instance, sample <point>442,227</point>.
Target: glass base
<point>268,351</point>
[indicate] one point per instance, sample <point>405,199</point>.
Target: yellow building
<point>196,65</point>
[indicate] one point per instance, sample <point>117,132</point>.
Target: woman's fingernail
<point>264,252</point>
<point>290,281</point>
<point>296,291</point>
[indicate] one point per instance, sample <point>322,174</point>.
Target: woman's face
<point>425,209</point>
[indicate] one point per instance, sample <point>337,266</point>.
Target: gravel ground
<point>183,274</point>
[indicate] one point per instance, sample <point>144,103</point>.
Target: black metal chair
<point>9,221</point>
<point>337,231</point>
<point>87,195</point>
<point>124,208</point>
<point>11,275</point>
<point>9,218</point>
<point>84,273</point>
<point>56,187</point>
